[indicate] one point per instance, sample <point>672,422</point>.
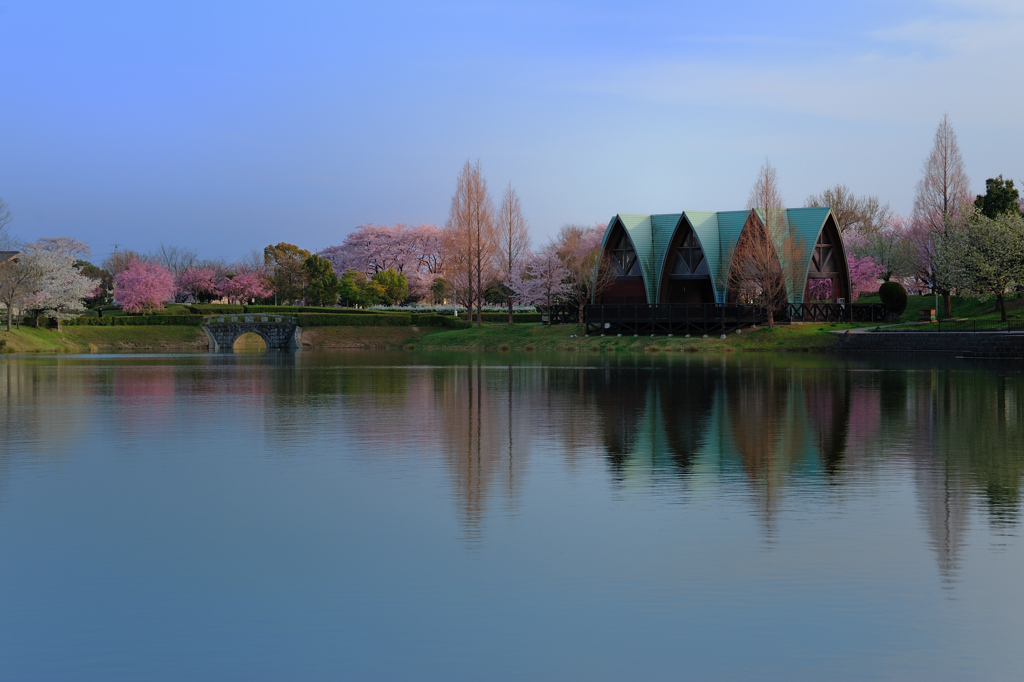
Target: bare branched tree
<point>118,261</point>
<point>470,238</point>
<point>589,270</point>
<point>175,258</point>
<point>513,239</point>
<point>942,190</point>
<point>864,214</point>
<point>5,217</point>
<point>766,259</point>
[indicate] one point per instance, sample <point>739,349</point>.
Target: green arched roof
<point>718,233</point>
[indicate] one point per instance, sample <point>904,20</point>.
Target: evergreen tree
<point>1000,197</point>
<point>324,286</point>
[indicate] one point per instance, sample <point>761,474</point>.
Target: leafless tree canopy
<point>862,214</point>
<point>944,185</point>
<point>470,241</point>
<point>589,269</point>
<point>5,217</point>
<point>118,262</point>
<point>943,188</point>
<point>176,259</point>
<point>513,238</point>
<point>767,257</point>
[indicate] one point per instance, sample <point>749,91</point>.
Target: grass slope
<point>533,337</point>
<point>103,339</point>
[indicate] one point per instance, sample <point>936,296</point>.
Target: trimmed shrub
<point>299,310</point>
<point>138,321</point>
<point>386,320</point>
<point>216,309</point>
<point>518,318</point>
<point>435,320</point>
<point>894,297</point>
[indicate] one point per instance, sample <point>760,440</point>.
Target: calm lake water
<point>430,516</point>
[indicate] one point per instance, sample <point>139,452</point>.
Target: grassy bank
<point>74,339</point>
<point>532,337</point>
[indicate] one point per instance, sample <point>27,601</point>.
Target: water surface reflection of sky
<point>434,515</point>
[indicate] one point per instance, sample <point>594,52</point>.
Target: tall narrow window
<point>823,261</point>
<point>625,257</point>
<point>689,258</point>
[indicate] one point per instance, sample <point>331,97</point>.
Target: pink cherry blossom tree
<point>143,286</point>
<point>864,275</point>
<point>198,283</point>
<point>412,251</point>
<point>243,284</point>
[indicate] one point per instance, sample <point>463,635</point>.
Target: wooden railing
<point>834,312</point>
<point>670,318</point>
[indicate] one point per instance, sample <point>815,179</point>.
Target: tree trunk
<point>35,320</point>
<point>947,303</point>
<point>58,320</point>
<point>10,314</point>
<point>771,318</point>
<point>1001,304</point>
<point>510,311</point>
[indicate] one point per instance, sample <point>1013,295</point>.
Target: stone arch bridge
<point>278,331</point>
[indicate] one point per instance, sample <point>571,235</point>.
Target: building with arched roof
<point>687,257</point>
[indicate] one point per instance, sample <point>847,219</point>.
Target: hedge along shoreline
<point>138,321</point>
<point>299,310</point>
<point>389,319</point>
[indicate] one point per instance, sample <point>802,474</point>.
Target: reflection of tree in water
<point>484,419</point>
<point>960,432</point>
<point>827,399</point>
<point>767,424</point>
<point>968,430</point>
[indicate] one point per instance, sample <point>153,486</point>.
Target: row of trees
<point>483,255</point>
<point>953,241</point>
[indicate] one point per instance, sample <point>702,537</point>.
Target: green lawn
<point>797,337</point>
<point>102,339</point>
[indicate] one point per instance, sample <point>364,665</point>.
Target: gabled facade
<point>685,257</point>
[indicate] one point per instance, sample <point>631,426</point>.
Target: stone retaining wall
<point>962,344</point>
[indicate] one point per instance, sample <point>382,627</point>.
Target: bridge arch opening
<point>249,342</point>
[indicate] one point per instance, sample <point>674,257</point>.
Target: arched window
<point>689,259</point>
<point>823,260</point>
<point>624,257</point>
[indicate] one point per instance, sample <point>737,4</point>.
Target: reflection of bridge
<point>279,332</point>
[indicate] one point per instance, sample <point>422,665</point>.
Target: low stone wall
<point>961,344</point>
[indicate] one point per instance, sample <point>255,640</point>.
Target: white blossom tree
<point>59,288</point>
<point>982,256</point>
<point>541,278</point>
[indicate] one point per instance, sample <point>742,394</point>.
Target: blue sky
<point>228,126</point>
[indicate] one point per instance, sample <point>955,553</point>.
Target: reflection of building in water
<point>653,421</point>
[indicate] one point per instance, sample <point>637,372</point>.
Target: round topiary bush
<point>894,297</point>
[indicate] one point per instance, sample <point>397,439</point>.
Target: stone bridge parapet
<point>280,332</point>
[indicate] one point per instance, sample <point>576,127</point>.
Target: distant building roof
<point>717,234</point>
<point>7,256</point>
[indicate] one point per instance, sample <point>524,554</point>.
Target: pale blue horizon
<point>227,127</point>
